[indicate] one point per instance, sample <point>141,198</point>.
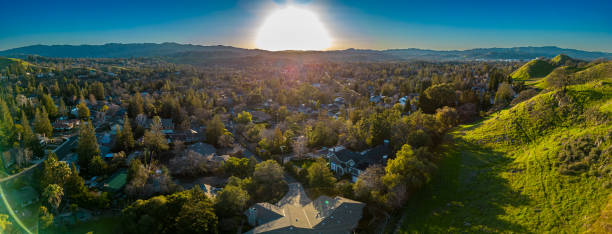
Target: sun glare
<point>293,29</point>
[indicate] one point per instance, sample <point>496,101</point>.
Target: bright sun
<point>293,29</point>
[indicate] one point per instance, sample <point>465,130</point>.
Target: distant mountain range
<point>187,53</point>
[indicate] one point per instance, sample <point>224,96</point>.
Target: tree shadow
<point>466,194</point>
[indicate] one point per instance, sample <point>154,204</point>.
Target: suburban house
<point>167,126</point>
<point>344,161</point>
<point>202,148</point>
<point>209,190</point>
<point>188,136</point>
<point>260,116</point>
<point>296,213</point>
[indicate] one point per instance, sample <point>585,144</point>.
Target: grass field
<point>482,190</point>
<point>503,175</point>
<point>117,181</point>
<point>4,62</point>
<point>101,225</point>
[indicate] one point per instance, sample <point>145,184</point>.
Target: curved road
<point>62,151</point>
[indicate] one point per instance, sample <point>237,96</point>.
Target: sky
<point>364,24</point>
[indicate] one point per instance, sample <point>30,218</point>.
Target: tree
<point>54,171</point>
<point>239,167</point>
<point>62,110</point>
<point>49,105</point>
<point>197,218</point>
<point>189,211</point>
<point>321,134</point>
<point>447,117</point>
<point>379,128</point>
<point>226,140</point>
<point>300,146</point>
<point>154,139</point>
<point>244,117</point>
<point>404,173</point>
<point>97,89</point>
<point>53,194</point>
<point>319,175</point>
<point>83,110</point>
<point>7,126</point>
<point>4,223</point>
<point>369,185</point>
<point>125,136</point>
<point>135,105</point>
<point>232,200</point>
<point>504,94</point>
<point>437,96</point>
<point>214,129</point>
<point>269,180</point>
<point>75,185</point>
<point>97,166</point>
<point>45,218</point>
<point>137,176</point>
<point>42,124</point>
<point>29,139</point>
<point>87,147</point>
<point>560,78</point>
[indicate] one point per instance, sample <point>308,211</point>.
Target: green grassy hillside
<point>5,62</point>
<point>544,165</point>
<point>533,69</point>
<point>563,59</point>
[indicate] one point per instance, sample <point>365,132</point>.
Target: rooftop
<point>297,213</point>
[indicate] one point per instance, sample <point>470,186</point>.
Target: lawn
<point>118,181</point>
<point>106,224</point>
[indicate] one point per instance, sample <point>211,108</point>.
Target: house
<point>202,148</point>
<point>260,117</point>
<point>296,213</point>
<point>216,160</point>
<point>189,136</point>
<point>167,126</point>
<point>74,112</point>
<point>65,124</point>
<point>344,161</point>
<point>209,190</point>
<point>339,101</point>
<point>376,99</point>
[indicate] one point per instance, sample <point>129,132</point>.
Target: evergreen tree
<point>63,110</point>
<point>87,147</point>
<point>75,185</point>
<point>54,171</point>
<point>42,124</point>
<point>154,139</point>
<point>127,137</point>
<point>7,126</point>
<point>83,110</point>
<point>29,139</point>
<point>49,105</point>
<point>214,129</point>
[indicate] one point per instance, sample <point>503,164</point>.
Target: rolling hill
<point>5,62</point>
<point>542,165</point>
<point>542,67</point>
<point>536,68</point>
<point>193,54</point>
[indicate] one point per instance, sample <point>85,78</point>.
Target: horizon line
<point>326,50</point>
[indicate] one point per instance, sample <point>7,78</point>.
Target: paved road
<point>62,151</point>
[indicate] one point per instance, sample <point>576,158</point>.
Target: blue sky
<point>374,24</point>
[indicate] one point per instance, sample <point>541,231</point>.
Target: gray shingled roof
<point>297,214</point>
